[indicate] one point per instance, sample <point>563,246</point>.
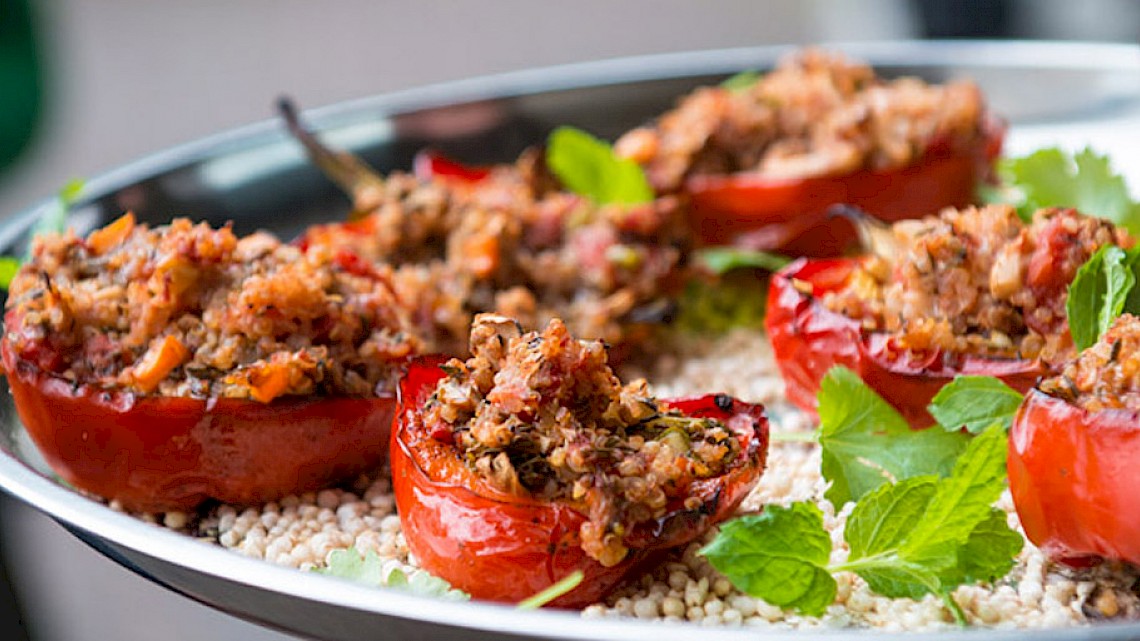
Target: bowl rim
<point>89,518</point>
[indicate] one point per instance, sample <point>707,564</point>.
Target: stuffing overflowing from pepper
<point>1106,375</point>
<point>816,114</point>
<point>977,281</point>
<point>543,415</point>
<point>189,310</point>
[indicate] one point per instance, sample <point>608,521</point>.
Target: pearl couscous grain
<point>300,531</point>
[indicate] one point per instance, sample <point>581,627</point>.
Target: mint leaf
<point>883,519</point>
<point>961,502</point>
<point>1052,178</point>
<point>8,268</point>
<point>780,556</point>
<point>719,260</point>
<point>741,81</point>
<point>369,569</point>
<point>54,218</point>
<point>974,402</point>
<point>988,554</point>
<point>1098,293</point>
<point>588,166</point>
<point>866,443</point>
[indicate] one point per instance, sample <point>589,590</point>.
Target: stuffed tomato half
<point>1073,449</point>
<point>973,291</point>
<point>762,162</point>
<point>531,461</point>
<point>163,367</point>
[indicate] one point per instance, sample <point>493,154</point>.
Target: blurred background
<point>86,86</point>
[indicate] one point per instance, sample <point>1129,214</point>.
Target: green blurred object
<point>20,81</point>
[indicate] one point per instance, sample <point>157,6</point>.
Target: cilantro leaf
<point>588,166</point>
<point>974,402</point>
<point>368,568</point>
<point>741,81</point>
<point>1099,292</point>
<point>780,556</point>
<point>8,268</point>
<point>719,260</point>
<point>1052,178</point>
<point>865,442</point>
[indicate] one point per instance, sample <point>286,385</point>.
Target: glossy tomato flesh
<point>504,547</point>
<point>1073,477</point>
<point>808,340</point>
<point>791,216</point>
<point>159,454</point>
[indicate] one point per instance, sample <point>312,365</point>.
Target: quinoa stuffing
<point>816,114</point>
<point>1106,375</point>
<point>977,281</point>
<point>188,310</point>
<point>543,415</point>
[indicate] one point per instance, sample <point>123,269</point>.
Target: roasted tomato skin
<point>808,340</point>
<point>160,454</point>
<point>791,216</point>
<point>503,547</point>
<point>429,164</point>
<point>1072,474</point>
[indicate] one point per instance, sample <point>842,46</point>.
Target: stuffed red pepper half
<point>531,460</point>
<point>1073,451</point>
<point>762,163</point>
<point>972,291</point>
<point>163,367</point>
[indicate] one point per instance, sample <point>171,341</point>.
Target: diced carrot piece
<point>268,382</point>
<point>159,362</point>
<point>102,240</point>
<point>481,254</point>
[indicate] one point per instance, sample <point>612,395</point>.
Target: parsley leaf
<point>780,555</point>
<point>588,166</point>
<point>1052,178</point>
<point>720,260</point>
<point>974,402</point>
<point>1099,293</point>
<point>369,569</point>
<point>741,81</point>
<point>867,443</point>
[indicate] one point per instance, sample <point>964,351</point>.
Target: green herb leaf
<point>780,556</point>
<point>8,268</point>
<point>1052,178</point>
<point>564,585</point>
<point>866,443</point>
<point>734,300</point>
<point>369,569</point>
<point>974,402</point>
<point>54,218</point>
<point>1098,293</point>
<point>742,80</point>
<point>720,260</point>
<point>588,166</point>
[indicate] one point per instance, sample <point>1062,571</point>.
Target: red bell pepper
<point>504,547</point>
<point>157,454</point>
<point>791,216</point>
<point>1072,473</point>
<point>808,340</point>
<point>429,164</point>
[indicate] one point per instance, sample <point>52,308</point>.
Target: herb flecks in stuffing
<point>542,415</point>
<point>189,310</point>
<point>978,281</point>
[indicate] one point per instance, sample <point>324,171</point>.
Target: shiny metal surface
<point>256,177</point>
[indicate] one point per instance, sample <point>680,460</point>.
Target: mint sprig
<point>974,403</point>
<point>1101,291</point>
<point>923,535</point>
<point>588,166</point>
<point>368,569</point>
